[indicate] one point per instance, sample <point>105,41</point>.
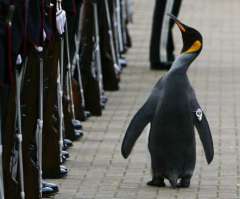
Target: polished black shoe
<point>51,185</point>
<point>63,167</point>
<point>77,124</point>
<point>123,62</point>
<point>104,99</point>
<point>68,143</point>
<point>66,154</point>
<point>48,192</point>
<point>102,105</point>
<point>63,159</point>
<point>78,134</point>
<point>63,173</point>
<point>161,66</point>
<point>87,114</point>
<point>60,173</point>
<point>65,147</point>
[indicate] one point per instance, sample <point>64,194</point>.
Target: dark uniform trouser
<point>51,148</point>
<point>7,111</point>
<point>72,24</point>
<point>161,37</point>
<point>29,100</point>
<point>90,83</point>
<point>7,103</point>
<point>110,79</point>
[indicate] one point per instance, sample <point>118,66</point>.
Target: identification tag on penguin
<point>199,114</point>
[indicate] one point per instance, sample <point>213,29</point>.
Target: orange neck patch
<point>195,47</point>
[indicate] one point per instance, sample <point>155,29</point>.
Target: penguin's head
<point>192,39</point>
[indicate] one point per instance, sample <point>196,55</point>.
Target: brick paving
<point>97,170</point>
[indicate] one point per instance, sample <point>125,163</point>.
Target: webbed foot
<point>184,183</point>
<point>157,183</point>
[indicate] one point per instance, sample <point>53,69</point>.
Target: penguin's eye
<point>195,47</point>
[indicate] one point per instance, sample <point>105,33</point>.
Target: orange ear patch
<point>195,47</point>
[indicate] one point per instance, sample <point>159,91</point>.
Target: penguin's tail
<point>173,179</point>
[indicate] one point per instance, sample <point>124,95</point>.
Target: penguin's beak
<point>179,23</point>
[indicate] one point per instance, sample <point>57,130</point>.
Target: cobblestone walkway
<point>97,170</point>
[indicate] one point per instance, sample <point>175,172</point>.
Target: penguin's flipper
<point>201,123</point>
<point>137,124</point>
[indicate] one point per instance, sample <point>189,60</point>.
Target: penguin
<point>173,111</point>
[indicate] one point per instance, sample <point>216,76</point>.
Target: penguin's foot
<point>173,183</point>
<point>184,183</point>
<point>157,183</point>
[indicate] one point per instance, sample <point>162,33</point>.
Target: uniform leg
<point>157,23</point>
<point>170,41</point>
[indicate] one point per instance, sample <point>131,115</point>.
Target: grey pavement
<point>97,169</point>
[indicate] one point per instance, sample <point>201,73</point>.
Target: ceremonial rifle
<point>119,25</point>
<point>97,53</point>
<point>76,58</point>
<point>39,128</point>
<point>110,33</point>
<point>18,116</point>
<point>61,19</point>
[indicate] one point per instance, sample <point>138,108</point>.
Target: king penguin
<point>173,111</point>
